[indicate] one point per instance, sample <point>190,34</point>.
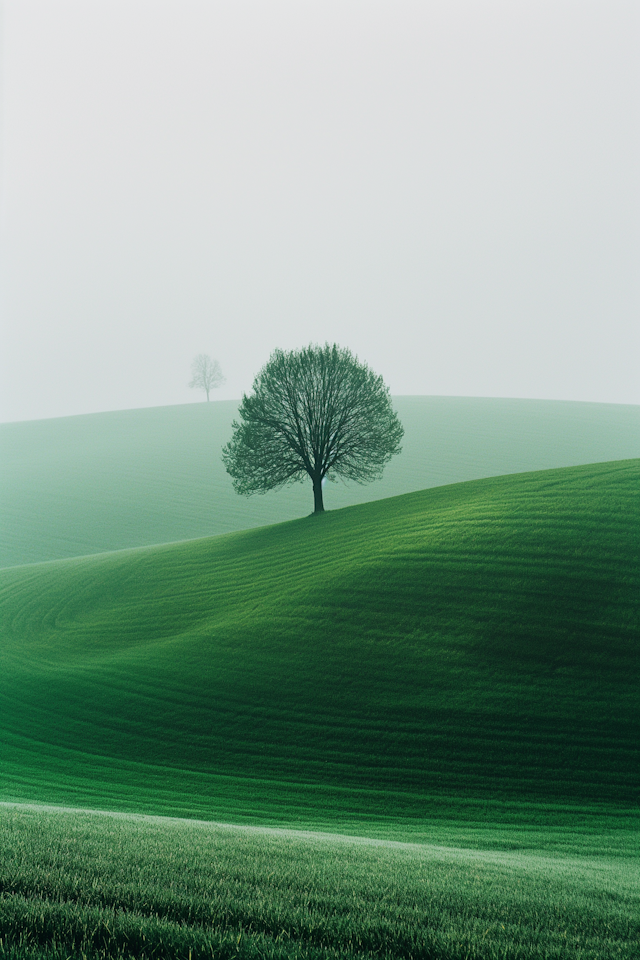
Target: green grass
<point>75,885</point>
<point>87,484</point>
<point>456,668</point>
<point>468,652</point>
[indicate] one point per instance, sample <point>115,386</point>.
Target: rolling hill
<point>88,484</point>
<point>468,651</point>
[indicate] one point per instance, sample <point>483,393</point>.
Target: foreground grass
<point>469,652</point>
<point>79,485</point>
<point>78,885</point>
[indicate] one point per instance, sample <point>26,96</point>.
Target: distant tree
<point>314,412</point>
<point>206,373</point>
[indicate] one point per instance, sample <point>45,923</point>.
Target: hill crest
<point>99,482</point>
<point>464,646</point>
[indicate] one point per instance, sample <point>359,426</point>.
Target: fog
<point>450,189</point>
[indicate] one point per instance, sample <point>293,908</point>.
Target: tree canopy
<point>315,412</point>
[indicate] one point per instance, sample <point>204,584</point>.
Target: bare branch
<point>206,373</point>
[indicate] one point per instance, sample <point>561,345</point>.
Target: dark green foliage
<point>315,412</point>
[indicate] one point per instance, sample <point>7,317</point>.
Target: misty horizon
<point>448,190</point>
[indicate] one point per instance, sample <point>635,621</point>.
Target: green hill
<point>88,484</point>
<point>468,651</point>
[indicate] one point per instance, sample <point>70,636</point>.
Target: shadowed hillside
<point>87,484</point>
<point>470,650</point>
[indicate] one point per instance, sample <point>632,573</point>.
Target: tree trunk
<point>318,505</point>
<point>207,389</point>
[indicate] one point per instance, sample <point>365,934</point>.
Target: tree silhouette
<point>314,412</point>
<point>206,373</point>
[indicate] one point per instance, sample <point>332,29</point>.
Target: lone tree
<point>313,412</point>
<point>206,373</point>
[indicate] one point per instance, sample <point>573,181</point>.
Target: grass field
<point>79,885</point>
<point>86,484</point>
<point>457,669</point>
<point>455,648</point>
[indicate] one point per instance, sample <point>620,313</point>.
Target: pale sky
<point>450,189</point>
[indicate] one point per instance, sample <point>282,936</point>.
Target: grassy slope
<point>81,485</point>
<point>78,885</point>
<point>468,651</point>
